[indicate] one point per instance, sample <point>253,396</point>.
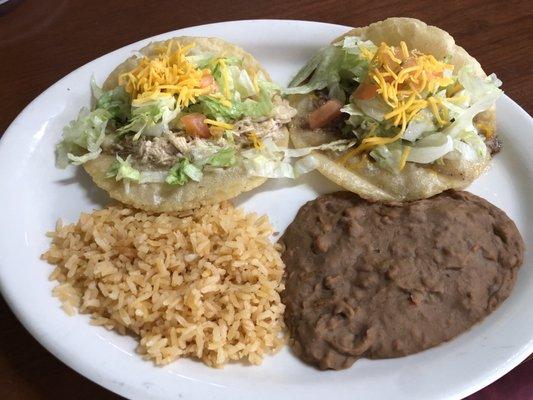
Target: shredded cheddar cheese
<point>403,159</point>
<point>257,143</point>
<point>167,74</point>
<point>407,82</point>
<point>218,124</point>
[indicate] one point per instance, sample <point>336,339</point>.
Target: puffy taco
<point>186,122</point>
<point>417,109</point>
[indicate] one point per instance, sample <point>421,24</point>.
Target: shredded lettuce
<point>388,156</point>
<point>241,82</point>
<point>419,125</point>
<point>273,161</point>
<point>470,145</point>
<point>477,86</point>
<point>201,151</point>
<point>223,158</point>
<point>430,148</point>
<point>151,118</point>
<point>322,70</point>
<point>201,60</point>
<point>182,172</point>
<point>263,105</point>
<point>374,108</point>
<point>215,65</point>
<point>259,106</point>
<point>122,169</point>
<point>337,67</point>
<point>82,137</point>
<point>305,164</point>
<point>483,93</point>
<point>212,108</point>
<point>116,102</point>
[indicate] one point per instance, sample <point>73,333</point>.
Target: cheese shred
<point>403,159</point>
<point>218,124</point>
<point>167,74</point>
<point>404,79</point>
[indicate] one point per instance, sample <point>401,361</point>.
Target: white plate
<point>34,194</point>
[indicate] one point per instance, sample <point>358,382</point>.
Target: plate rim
<point>88,370</point>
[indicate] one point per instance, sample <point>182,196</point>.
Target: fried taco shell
<point>215,186</point>
<point>415,181</point>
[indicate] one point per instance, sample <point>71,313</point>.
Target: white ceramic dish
<point>34,194</point>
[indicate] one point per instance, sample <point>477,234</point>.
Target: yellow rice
<point>204,284</point>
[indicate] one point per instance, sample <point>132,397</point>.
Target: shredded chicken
<point>179,142</point>
<point>282,111</point>
<point>281,114</point>
<point>158,152</point>
<point>163,151</point>
<point>268,128</point>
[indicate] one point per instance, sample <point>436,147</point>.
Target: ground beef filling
<point>379,281</point>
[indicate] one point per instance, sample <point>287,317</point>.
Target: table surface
<point>41,41</point>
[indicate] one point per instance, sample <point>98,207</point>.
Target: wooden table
<point>41,41</point>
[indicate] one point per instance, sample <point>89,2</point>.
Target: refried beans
<point>379,281</point>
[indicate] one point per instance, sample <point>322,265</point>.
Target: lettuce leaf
<point>337,67</point>
<point>260,105</point>
<point>273,161</point>
<point>322,70</point>
<point>151,118</point>
<point>420,124</point>
<point>223,158</point>
<point>82,137</point>
<point>388,156</point>
<point>116,102</point>
<point>430,148</point>
<point>213,109</point>
<point>182,172</point>
<point>122,169</point>
<point>241,82</point>
<point>483,93</point>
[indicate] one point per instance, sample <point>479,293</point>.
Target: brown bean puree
<point>379,281</point>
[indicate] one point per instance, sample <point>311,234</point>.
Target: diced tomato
<point>195,126</point>
<point>207,80</point>
<point>365,91</point>
<point>327,112</point>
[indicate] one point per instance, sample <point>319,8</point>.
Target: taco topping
<point>398,104</point>
<point>180,112</point>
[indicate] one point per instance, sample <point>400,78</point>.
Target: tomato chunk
<point>365,91</point>
<point>327,112</point>
<point>195,126</point>
<point>207,80</point>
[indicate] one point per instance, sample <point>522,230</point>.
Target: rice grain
<point>204,284</point>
